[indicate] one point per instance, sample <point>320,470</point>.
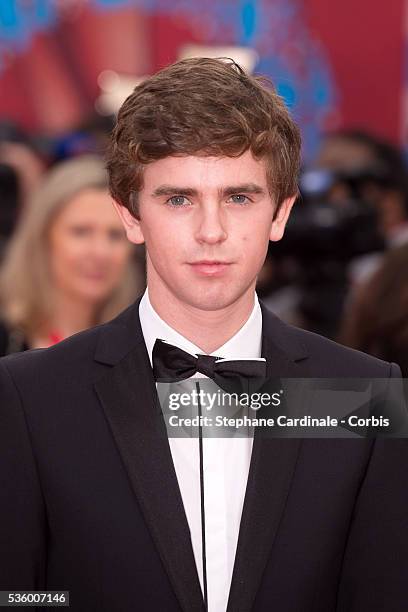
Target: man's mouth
<point>210,267</point>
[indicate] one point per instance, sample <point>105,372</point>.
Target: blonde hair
<point>26,293</point>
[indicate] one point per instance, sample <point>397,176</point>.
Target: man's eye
<point>239,198</point>
<point>178,201</point>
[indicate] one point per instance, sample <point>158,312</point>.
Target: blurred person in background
<point>377,320</point>
<point>382,173</point>
<point>354,207</point>
<point>9,203</point>
<point>90,136</point>
<point>19,151</point>
<point>68,266</point>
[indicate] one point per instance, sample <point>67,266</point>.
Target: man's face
<point>206,222</point>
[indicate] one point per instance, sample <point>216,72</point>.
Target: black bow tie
<point>172,364</point>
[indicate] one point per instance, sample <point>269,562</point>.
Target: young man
<point>95,499</point>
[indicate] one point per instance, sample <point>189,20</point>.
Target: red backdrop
<point>52,84</point>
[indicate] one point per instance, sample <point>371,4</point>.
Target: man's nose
<point>211,225</point>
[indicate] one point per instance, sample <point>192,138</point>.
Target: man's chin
<point>212,300</point>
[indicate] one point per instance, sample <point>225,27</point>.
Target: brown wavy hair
<point>203,106</point>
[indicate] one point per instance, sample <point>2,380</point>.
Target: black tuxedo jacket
<point>90,501</point>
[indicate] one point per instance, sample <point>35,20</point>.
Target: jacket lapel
<point>273,463</point>
<point>128,396</point>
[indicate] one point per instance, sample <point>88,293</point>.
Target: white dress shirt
<point>225,462</point>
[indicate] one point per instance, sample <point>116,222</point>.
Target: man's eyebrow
<point>243,188</point>
<point>168,190</point>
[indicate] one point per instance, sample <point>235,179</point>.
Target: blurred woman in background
<point>68,266</point>
<point>377,320</point>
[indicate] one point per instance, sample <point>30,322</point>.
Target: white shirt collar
<point>245,344</point>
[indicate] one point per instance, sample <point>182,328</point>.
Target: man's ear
<point>130,223</point>
<point>279,223</point>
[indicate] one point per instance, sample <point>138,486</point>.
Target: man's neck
<point>207,329</point>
